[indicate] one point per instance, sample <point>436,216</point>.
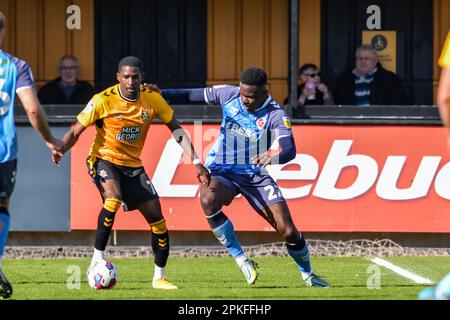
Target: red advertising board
<point>344,179</point>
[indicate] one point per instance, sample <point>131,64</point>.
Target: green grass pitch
<point>219,278</point>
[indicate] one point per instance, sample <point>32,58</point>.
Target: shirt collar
<point>268,99</point>
<point>129,100</point>
<point>369,74</point>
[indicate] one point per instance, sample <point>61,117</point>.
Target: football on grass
<point>102,275</point>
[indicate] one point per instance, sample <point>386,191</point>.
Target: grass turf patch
<point>220,278</point>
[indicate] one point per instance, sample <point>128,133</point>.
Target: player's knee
<point>289,234</point>
<point>210,202</point>
<point>111,191</point>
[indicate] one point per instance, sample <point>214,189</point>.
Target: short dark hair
<point>2,20</point>
<point>307,66</point>
<point>253,77</point>
<point>130,61</point>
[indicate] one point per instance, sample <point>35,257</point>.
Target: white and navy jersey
<point>15,75</point>
<point>244,134</point>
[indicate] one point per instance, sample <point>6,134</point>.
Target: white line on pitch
<point>402,272</point>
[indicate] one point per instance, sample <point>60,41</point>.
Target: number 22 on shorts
<point>273,192</point>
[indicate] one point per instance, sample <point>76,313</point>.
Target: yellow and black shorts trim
<point>101,170</point>
<point>90,162</point>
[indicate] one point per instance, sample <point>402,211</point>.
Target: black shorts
<point>7,178</point>
<point>135,186</point>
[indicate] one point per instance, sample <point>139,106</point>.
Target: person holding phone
<point>311,91</point>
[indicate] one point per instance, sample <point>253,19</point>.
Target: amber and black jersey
<point>444,60</point>
<point>122,124</point>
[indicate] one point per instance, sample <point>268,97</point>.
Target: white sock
<point>98,255</point>
<point>240,260</point>
<point>305,275</point>
<point>159,272</point>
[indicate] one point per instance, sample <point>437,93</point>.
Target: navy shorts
<point>135,186</point>
<point>7,178</point>
<point>261,191</point>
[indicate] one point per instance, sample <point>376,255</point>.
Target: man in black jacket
<point>369,83</point>
<point>67,89</point>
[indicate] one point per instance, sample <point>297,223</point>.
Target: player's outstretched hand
<point>262,160</point>
<point>152,87</point>
<point>56,146</point>
<point>203,175</point>
<point>56,158</point>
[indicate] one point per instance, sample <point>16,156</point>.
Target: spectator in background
<point>369,83</point>
<point>67,89</point>
<point>311,91</point>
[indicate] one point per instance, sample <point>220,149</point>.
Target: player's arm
<point>282,149</point>
<point>69,140</point>
<point>183,140</point>
<point>87,117</point>
<point>443,97</point>
<point>38,118</point>
<point>211,95</point>
<point>178,96</point>
<point>216,95</point>
<point>184,96</point>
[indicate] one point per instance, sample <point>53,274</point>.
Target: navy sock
<point>217,219</point>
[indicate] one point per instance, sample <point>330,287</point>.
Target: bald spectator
<point>369,83</point>
<point>66,89</point>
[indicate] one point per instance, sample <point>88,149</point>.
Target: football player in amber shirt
<point>442,290</point>
<point>122,115</point>
<point>443,96</point>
